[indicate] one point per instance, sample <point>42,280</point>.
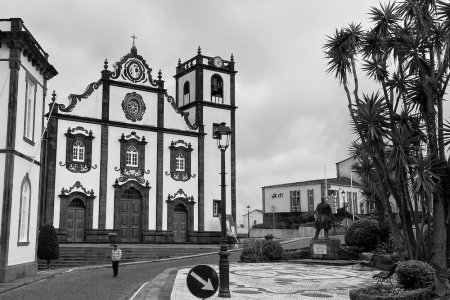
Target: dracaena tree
<point>400,130</point>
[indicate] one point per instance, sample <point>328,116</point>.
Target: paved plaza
<point>284,281</point>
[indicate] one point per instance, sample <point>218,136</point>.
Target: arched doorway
<point>180,224</point>
<point>130,216</point>
<point>76,221</point>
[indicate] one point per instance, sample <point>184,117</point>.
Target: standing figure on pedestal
<point>322,215</point>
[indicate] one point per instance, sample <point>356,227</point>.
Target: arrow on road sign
<point>206,285</point>
<point>198,285</point>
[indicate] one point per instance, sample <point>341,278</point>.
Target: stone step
<point>81,256</point>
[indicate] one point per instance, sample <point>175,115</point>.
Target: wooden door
<point>76,220</point>
<point>130,220</point>
<point>179,226</point>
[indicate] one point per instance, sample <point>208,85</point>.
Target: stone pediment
<point>133,68</point>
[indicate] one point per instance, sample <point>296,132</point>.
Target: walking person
<point>116,255</point>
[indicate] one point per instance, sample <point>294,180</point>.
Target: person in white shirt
<point>116,255</point>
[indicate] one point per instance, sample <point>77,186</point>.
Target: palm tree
<point>406,53</point>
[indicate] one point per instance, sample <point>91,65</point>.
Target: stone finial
<point>159,74</point>
<point>179,61</point>
<point>105,64</point>
<point>53,96</point>
<point>232,57</point>
<point>199,50</point>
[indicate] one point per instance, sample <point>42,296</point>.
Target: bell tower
<point>205,88</point>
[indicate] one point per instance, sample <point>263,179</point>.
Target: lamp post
<point>222,134</point>
<point>345,212</point>
<point>248,219</point>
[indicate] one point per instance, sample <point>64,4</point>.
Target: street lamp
<point>248,219</point>
<point>222,134</point>
<point>345,212</point>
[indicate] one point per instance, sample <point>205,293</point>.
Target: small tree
<point>48,245</point>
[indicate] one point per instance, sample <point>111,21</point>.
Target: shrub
<point>272,250</point>
<point>48,245</point>
<point>307,217</point>
<point>362,234</point>
<point>415,274</point>
<point>388,292</point>
<point>289,254</point>
<point>347,253</point>
<point>252,251</point>
<point>261,250</point>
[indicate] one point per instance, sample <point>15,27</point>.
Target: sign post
<point>202,281</point>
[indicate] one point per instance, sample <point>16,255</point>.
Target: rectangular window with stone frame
<point>311,200</point>
<point>295,201</point>
<point>217,209</point>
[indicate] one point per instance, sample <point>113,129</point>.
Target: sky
<point>292,122</point>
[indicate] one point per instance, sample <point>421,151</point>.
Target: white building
<point>285,202</point>
<point>126,157</point>
<point>252,218</point>
<point>24,71</point>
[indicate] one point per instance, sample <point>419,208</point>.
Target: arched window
<point>132,157</point>
<point>78,151</point>
<point>216,89</point>
<point>186,93</point>
<point>24,218</point>
<point>179,162</point>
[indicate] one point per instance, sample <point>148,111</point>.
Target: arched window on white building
<point>24,217</point>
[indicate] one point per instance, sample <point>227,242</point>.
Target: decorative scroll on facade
<point>132,158</point>
<point>180,161</point>
<point>78,150</point>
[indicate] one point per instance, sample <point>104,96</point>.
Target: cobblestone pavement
<point>284,281</point>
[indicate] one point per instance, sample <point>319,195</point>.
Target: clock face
<point>135,70</point>
<point>218,62</point>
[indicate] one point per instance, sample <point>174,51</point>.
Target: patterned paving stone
<point>284,281</point>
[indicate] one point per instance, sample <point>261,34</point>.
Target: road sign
<point>202,281</point>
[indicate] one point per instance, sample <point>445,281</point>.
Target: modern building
<point>286,202</point>
<point>126,157</point>
<point>24,72</point>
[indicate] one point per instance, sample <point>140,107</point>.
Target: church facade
<point>126,157</point>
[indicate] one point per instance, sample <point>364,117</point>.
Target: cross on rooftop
<point>133,37</point>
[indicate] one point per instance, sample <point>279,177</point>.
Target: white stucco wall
<point>5,25</point>
<point>114,135</point>
<point>282,201</point>
<point>116,113</point>
<point>2,167</point>
<point>66,179</point>
<point>172,119</point>
<point>187,77</point>
<point>23,254</point>
<point>171,186</point>
<point>91,107</point>
<point>4,92</point>
<point>213,167</point>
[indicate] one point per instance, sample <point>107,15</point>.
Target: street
<point>98,283</point>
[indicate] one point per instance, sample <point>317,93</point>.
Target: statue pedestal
<point>324,248</point>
